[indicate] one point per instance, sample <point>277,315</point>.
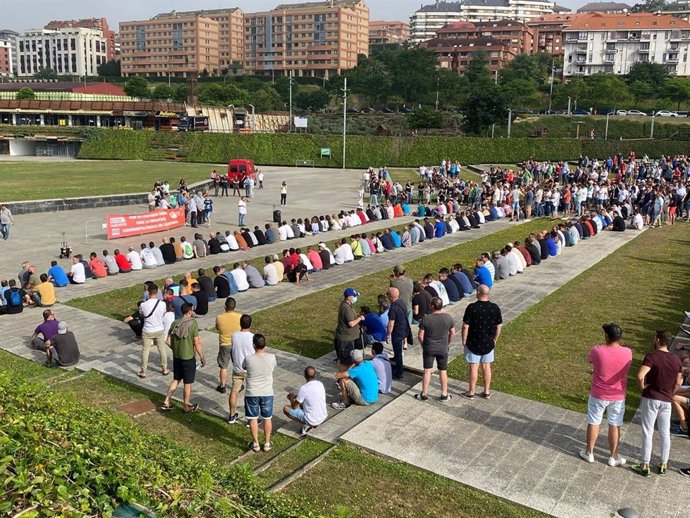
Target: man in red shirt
<point>122,262</point>
<point>611,363</point>
<point>97,266</point>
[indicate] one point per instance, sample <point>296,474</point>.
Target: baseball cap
<point>322,245</point>
<point>399,269</point>
<point>62,328</point>
<point>357,355</point>
<point>351,292</point>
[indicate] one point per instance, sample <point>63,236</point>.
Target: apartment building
<point>8,49</point>
<point>548,32</point>
<point>70,51</point>
<point>605,7</point>
<point>427,20</point>
<point>316,39</point>
<point>98,24</point>
<point>515,35</point>
<point>456,54</point>
<point>180,45</point>
<point>230,32</point>
<point>387,32</point>
<point>613,43</point>
<point>679,9</point>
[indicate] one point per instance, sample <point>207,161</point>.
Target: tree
<point>162,91</point>
<point>608,91</point>
<point>485,103</point>
<point>25,94</point>
<point>179,92</point>
<point>641,90</point>
<point>425,118</point>
<point>372,80</point>
<point>110,69</point>
<point>649,6</point>
<point>46,73</point>
<point>137,87</point>
<point>520,93</point>
<point>653,73</point>
<point>266,98</point>
<point>676,89</point>
<point>222,94</point>
<point>312,99</point>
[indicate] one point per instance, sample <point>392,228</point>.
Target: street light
<point>438,86</point>
<point>290,121</point>
<point>651,134</point>
<point>568,105</point>
<point>510,121</point>
<point>253,118</point>
<point>344,120</point>
<point>553,70</point>
<point>606,131</point>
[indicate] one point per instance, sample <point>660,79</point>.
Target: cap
<point>510,245</point>
<point>322,245</point>
<point>351,292</point>
<point>399,269</point>
<point>62,328</point>
<point>357,355</point>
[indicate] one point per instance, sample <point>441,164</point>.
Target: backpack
<point>15,298</point>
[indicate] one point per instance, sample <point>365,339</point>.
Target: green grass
<point>305,326</point>
<point>91,177</point>
<point>542,354</point>
<point>350,482</point>
<point>306,451</point>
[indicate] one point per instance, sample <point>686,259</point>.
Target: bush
<point>362,151</point>
<point>61,458</point>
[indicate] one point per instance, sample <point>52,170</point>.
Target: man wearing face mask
<point>347,329</point>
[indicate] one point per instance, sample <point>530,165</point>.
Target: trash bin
<point>276,217</point>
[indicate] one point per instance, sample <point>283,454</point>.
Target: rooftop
<point>441,6</point>
<point>607,22</point>
<point>200,12</point>
<point>326,3</point>
<point>604,7</point>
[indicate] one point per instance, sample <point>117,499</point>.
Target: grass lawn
<point>643,287</point>
<point>91,177</point>
<point>290,461</point>
<point>305,325</point>
<point>350,482</point>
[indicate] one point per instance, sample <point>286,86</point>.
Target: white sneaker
<point>620,461</point>
<point>588,457</point>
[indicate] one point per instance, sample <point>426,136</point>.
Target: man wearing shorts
<point>436,332</point>
<point>481,328</point>
<point>347,329</point>
<point>359,384</point>
<point>610,363</point>
<point>227,323</point>
<point>242,346</point>
<point>308,406</point>
<point>258,400</point>
<point>185,342</point>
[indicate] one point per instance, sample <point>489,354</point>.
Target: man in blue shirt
<point>373,326</point>
<point>465,284</point>
<point>57,275</point>
<point>359,384</point>
<point>551,244</point>
<point>397,242</point>
<point>439,227</point>
<point>452,290</point>
<point>483,275</point>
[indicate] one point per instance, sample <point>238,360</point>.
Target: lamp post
<point>568,105</point>
<point>553,70</point>
<point>606,131</point>
<point>651,133</point>
<point>510,121</point>
<point>493,126</point>
<point>344,120</point>
<point>253,118</point>
<point>438,86</point>
<point>290,121</point>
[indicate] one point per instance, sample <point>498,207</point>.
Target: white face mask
<point>354,300</point>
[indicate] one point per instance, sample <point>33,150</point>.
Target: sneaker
<point>662,468</point>
<point>421,397</point>
<point>467,395</point>
<point>645,472</point>
<point>446,397</point>
<point>613,462</point>
<point>587,457</point>
<point>339,405</point>
<point>221,389</point>
<point>684,471</point>
<point>233,418</point>
<point>678,431</point>
<point>306,429</point>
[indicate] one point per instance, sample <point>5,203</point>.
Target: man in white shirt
<point>242,346</point>
<point>270,272</point>
<point>77,274</point>
<point>134,259</point>
<point>147,258</point>
<point>240,277</point>
<point>636,222</point>
<point>152,313</point>
<point>308,406</point>
<point>232,242</point>
<point>343,253</point>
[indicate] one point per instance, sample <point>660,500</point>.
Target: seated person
<point>134,321</point>
<point>618,224</point>
<point>201,300</point>
<point>44,331</point>
<point>444,278</point>
<point>123,263</point>
<point>253,276</point>
<point>62,348</point>
<point>382,366</point>
<point>359,384</point>
<point>240,277</point>
<point>43,294</point>
<point>97,266</point>
<point>168,251</point>
<point>298,273</point>
<point>308,406</point>
<point>110,263</point>
<point>466,288</point>
<point>57,275</point>
<point>373,326</point>
<point>77,274</point>
<point>134,259</point>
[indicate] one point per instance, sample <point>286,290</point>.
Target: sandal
<point>165,408</point>
<point>165,372</point>
<point>268,446</point>
<point>421,397</point>
<point>192,408</point>
<point>467,395</point>
<point>141,374</point>
<point>486,395</point>
<point>254,446</point>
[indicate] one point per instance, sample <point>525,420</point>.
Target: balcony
<point>672,59</point>
<point>643,51</point>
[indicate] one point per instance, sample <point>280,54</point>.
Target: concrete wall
<point>21,147</point>
<point>92,202</point>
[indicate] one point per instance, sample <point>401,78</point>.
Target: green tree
<point>650,6</point>
<point>179,92</point>
<point>520,93</point>
<point>137,87</point>
<point>485,103</point>
<point>652,73</point>
<point>25,94</point>
<point>266,98</point>
<point>609,91</point>
<point>425,118</point>
<point>46,73</point>
<point>372,80</point>
<point>110,69</point>
<point>162,91</point>
<point>641,90</point>
<point>222,94</point>
<point>312,99</point>
<point>578,89</point>
<point>676,89</point>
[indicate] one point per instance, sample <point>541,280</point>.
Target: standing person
<point>308,406</point>
<point>226,324</point>
<point>260,177</point>
<point>6,221</point>
<point>241,210</point>
<point>405,287</point>
<point>242,346</point>
<point>436,332</point>
<point>481,328</point>
<point>152,312</point>
<point>398,329</point>
<point>258,399</point>
<point>610,363</point>
<point>283,193</point>
<point>347,330</point>
<point>659,378</point>
<point>185,342</point>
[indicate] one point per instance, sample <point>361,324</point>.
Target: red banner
<point>121,225</point>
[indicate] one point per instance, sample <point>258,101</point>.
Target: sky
<point>33,14</point>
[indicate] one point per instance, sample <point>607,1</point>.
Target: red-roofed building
<point>548,32</point>
<point>99,89</point>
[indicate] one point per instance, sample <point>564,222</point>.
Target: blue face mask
<point>354,300</point>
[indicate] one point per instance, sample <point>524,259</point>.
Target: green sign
<point>325,151</point>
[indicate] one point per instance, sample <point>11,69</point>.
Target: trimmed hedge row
<point>362,152</point>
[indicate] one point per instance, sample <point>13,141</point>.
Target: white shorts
<point>615,410</point>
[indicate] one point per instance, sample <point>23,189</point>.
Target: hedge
<point>61,458</point>
<point>362,151</point>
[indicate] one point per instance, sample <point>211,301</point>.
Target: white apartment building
<point>430,18</point>
<point>70,51</point>
<point>613,43</point>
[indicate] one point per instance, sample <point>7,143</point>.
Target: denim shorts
<point>615,410</point>
<point>298,413</point>
<point>258,406</point>
<point>470,357</point>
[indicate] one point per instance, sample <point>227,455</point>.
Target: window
<point>177,38</point>
<point>141,38</point>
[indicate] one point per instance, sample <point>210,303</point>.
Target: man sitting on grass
<point>358,384</point>
<point>308,406</point>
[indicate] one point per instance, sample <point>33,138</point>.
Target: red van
<point>238,169</point>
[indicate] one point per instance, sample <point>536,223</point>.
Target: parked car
<point>580,112</point>
<point>666,113</point>
<point>682,113</point>
<point>607,111</point>
<point>405,109</point>
<point>637,113</point>
<point>621,112</point>
<point>388,110</point>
